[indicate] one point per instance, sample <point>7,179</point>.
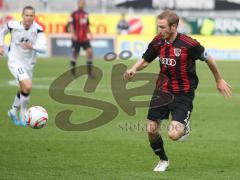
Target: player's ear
<point>174,26</point>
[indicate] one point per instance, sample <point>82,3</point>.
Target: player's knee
<point>152,129</point>
<point>90,56</point>
<point>89,53</point>
<point>75,55</point>
<point>175,130</point>
<point>174,135</point>
<point>26,88</point>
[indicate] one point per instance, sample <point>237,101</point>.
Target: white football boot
<point>22,118</point>
<point>161,166</point>
<point>12,113</point>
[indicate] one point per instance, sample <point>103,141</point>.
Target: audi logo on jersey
<point>168,61</point>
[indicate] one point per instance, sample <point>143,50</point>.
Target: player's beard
<point>165,35</point>
<point>168,36</point>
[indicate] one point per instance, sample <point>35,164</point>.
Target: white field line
<point>42,85</point>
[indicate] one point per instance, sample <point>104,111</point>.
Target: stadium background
<point>210,27</point>
<point>121,148</point>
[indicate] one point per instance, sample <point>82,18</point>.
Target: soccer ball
<point>36,117</point>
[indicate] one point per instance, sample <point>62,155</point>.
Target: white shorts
<point>20,72</point>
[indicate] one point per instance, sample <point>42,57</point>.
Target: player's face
<point>28,17</point>
<point>81,4</point>
<point>164,29</point>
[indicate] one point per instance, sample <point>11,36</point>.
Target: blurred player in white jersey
<point>27,38</point>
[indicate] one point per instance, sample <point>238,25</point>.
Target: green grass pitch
<point>119,149</point>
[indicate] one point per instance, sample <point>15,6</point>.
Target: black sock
<point>89,67</point>
<point>73,65</point>
<point>158,149</point>
<point>24,94</point>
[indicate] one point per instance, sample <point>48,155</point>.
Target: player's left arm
<point>41,44</point>
<point>89,30</point>
<point>223,87</point>
<point>199,52</point>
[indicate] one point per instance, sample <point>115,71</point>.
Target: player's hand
<point>90,36</point>
<point>1,51</point>
<point>224,88</point>
<point>27,45</point>
<point>128,75</point>
<point>74,37</point>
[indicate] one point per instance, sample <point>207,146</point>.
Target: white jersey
<point>34,35</point>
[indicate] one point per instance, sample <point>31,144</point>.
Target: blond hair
<point>170,16</point>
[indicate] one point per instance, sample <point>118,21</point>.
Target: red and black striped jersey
<point>80,22</point>
<point>177,62</point>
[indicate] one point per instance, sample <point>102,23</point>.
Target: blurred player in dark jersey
<point>81,35</point>
<point>177,55</point>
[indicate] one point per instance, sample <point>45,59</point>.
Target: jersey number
<point>20,71</point>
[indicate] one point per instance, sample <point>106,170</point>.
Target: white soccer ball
<point>36,117</point>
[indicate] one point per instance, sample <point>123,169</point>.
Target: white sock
<point>24,102</point>
<point>16,103</point>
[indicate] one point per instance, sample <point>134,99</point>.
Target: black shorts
<point>77,45</point>
<point>180,109</point>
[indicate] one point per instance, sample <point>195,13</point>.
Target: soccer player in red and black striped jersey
<point>81,35</point>
<point>177,56</point>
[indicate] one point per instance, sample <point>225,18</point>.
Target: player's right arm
<point>141,64</point>
<point>149,55</point>
<point>4,30</point>
<point>72,30</point>
<point>90,34</point>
